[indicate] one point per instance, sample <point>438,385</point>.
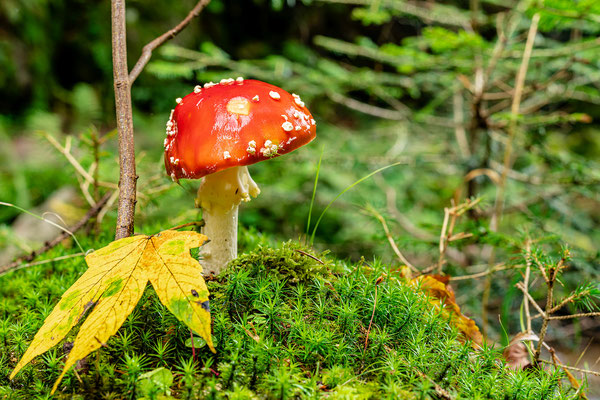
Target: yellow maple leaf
<point>113,285</point>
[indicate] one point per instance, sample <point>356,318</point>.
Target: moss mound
<point>287,324</point>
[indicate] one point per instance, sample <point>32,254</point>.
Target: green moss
<point>286,326</point>
<point>291,261</point>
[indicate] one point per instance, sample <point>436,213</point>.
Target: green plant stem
<point>314,192</point>
<point>65,233</point>
<point>64,230</point>
<point>312,236</point>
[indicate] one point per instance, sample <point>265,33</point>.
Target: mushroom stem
<point>219,196</point>
<point>221,229</point>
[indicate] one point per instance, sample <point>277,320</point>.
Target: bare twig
<point>531,300</point>
<point>95,168</point>
<point>490,173</point>
<point>495,268</point>
<point>584,371</point>
<point>62,236</point>
<point>459,129</point>
<point>526,284</point>
<point>549,300</point>
<point>447,232</point>
<point>170,34</point>
<point>571,316</point>
<point>127,174</point>
<point>516,103</point>
<point>390,239</point>
<point>569,299</point>
<point>111,201</point>
<point>443,244</point>
<point>310,256</point>
<point>66,152</point>
<point>403,221</point>
<point>194,223</point>
<point>367,108</point>
<point>558,364</point>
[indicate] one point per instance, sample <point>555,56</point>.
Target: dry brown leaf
<point>437,287</point>
<point>516,353</point>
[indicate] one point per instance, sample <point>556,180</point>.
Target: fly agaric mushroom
<point>214,133</point>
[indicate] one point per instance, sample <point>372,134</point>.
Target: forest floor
<point>286,322</point>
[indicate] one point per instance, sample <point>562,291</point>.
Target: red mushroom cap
<point>233,123</point>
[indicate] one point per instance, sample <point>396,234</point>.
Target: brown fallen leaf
<point>437,287</point>
<point>516,353</point>
<point>114,283</point>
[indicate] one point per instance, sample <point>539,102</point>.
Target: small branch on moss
<point>309,255</point>
<point>170,34</point>
<point>194,223</point>
<point>54,242</point>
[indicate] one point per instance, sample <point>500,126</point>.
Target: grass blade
<point>312,236</point>
<point>314,193</point>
